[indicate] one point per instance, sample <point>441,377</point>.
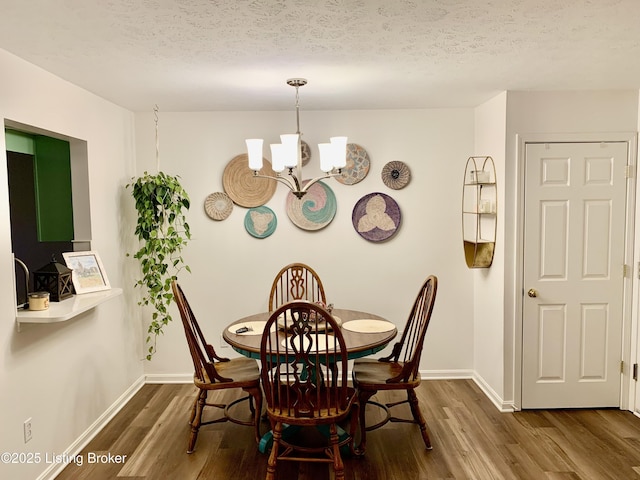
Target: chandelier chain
<point>155,113</point>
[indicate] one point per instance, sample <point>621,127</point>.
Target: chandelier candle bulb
<point>277,157</point>
<point>340,147</point>
<point>290,149</point>
<point>326,156</point>
<point>254,151</point>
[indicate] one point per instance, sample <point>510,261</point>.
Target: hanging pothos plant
<point>164,232</point>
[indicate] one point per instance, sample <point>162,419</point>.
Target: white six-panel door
<point>574,244</point>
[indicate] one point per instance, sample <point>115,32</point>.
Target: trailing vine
<point>163,230</point>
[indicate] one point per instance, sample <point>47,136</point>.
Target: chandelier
<point>288,154</point>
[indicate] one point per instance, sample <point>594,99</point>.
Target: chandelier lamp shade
<point>287,155</point>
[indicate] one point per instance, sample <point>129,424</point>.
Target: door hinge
<point>635,371</point>
<point>629,171</point>
<point>622,367</point>
<point>625,270</point>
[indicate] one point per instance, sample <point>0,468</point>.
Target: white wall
<point>65,376</point>
<point>555,114</point>
<point>488,335</point>
<point>232,271</point>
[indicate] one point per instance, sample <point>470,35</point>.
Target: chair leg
<point>197,420</point>
<point>354,420</point>
<point>338,465</point>
<point>193,409</point>
<point>273,456</point>
<point>363,398</point>
<point>256,409</point>
<point>418,418</point>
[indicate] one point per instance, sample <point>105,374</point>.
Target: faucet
<point>26,280</point>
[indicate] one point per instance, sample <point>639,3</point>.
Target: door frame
<point>632,252</point>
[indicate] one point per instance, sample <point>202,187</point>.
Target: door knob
<point>533,293</point>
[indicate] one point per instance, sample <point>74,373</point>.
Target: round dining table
<point>364,333</point>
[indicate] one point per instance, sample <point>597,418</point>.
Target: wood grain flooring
<point>471,440</point>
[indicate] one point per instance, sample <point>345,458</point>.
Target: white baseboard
<point>505,407</point>
<point>153,378</point>
<point>446,374</point>
<point>76,447</point>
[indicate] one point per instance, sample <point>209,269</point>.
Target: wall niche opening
<point>48,199</point>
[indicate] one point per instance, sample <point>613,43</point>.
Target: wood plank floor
<point>471,440</point>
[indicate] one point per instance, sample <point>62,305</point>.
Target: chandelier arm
<point>317,179</point>
<point>279,178</point>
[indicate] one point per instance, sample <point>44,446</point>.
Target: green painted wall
<point>52,180</point>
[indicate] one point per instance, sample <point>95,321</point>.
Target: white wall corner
<point>505,407</point>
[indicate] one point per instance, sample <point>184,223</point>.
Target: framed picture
<point>88,274</point>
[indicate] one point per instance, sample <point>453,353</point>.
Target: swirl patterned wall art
<point>315,210</point>
<point>260,222</point>
<point>376,217</point>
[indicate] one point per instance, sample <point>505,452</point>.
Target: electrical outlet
<point>27,430</point>
<point>223,344</point>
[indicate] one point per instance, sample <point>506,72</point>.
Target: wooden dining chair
<point>212,372</point>
<point>296,281</point>
<point>398,371</point>
<point>304,378</point>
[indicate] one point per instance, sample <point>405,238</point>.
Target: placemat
<point>368,325</point>
<point>321,325</point>
<point>323,340</point>
<point>255,328</point>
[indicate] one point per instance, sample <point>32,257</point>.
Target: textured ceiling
<point>188,55</point>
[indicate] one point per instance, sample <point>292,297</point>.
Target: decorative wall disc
<point>260,222</point>
<point>245,189</point>
<point>357,165</point>
<point>376,217</point>
<point>305,150</point>
<point>218,206</point>
<point>396,175</point>
<point>315,210</point>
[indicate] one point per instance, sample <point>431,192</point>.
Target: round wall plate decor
<point>315,210</point>
<point>245,189</point>
<point>218,206</point>
<point>357,165</point>
<point>260,222</point>
<point>305,151</point>
<point>396,175</point>
<point>376,217</point>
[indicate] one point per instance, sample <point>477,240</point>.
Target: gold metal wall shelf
<point>479,212</point>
